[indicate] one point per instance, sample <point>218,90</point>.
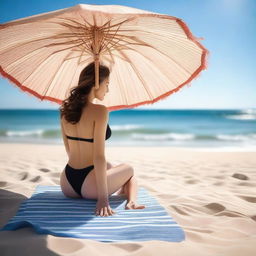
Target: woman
<point>85,128</point>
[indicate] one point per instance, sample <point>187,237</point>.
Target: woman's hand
<point>103,208</point>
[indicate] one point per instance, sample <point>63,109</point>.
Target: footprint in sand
<point>240,176</point>
<point>191,181</point>
<point>23,175</point>
<point>215,207</point>
<point>35,179</point>
<point>43,170</point>
<point>229,214</point>
<point>250,199</point>
<point>247,184</point>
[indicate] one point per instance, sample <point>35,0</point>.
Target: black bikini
<point>76,177</point>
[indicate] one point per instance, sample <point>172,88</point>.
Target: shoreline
<point>230,149</point>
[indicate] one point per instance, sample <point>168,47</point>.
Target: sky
<point>229,31</point>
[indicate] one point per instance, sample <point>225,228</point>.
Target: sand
<point>212,195</point>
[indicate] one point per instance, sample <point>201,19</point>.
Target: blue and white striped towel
<point>49,211</point>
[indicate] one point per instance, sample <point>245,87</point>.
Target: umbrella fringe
<point>195,75</point>
<point>195,39</point>
<point>204,66</point>
<point>23,88</point>
<point>148,102</point>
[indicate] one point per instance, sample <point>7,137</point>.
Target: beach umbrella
<point>150,55</point>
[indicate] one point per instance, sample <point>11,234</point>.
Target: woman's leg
<point>120,190</point>
<point>131,190</point>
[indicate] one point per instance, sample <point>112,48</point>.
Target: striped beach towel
<point>49,211</point>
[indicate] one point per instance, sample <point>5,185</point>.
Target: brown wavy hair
<point>71,108</point>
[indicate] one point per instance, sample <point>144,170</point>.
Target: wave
<point>125,127</point>
<point>163,137</point>
<point>23,133</point>
<point>236,137</point>
<point>244,114</point>
<point>242,117</point>
<point>189,136</point>
<point>135,132</point>
<point>31,133</point>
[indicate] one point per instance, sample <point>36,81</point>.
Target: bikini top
<point>108,134</point>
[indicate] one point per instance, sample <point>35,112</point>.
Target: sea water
<point>212,129</point>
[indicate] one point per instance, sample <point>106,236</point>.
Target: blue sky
<point>229,31</point>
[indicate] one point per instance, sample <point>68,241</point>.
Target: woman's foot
<point>133,205</point>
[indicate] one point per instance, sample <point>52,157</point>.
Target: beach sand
<point>212,195</point>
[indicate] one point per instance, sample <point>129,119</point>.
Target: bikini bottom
<point>76,177</point>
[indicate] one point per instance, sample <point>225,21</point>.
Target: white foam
<point>242,117</point>
<point>235,137</point>
<point>24,133</point>
<point>163,137</point>
<point>125,127</point>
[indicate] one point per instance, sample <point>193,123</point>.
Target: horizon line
<point>141,109</point>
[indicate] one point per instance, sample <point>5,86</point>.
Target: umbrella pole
<point>97,72</point>
<point>96,58</point>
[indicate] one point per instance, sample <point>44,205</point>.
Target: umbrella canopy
<point>150,55</point>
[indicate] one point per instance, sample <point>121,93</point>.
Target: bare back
<point>81,152</point>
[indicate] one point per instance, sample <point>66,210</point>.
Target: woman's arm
<point>100,166</point>
<point>99,160</point>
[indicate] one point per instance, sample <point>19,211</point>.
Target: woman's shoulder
<point>98,108</point>
<point>96,111</point>
<point>99,112</point>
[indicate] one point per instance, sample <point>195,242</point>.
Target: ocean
<point>212,129</point>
